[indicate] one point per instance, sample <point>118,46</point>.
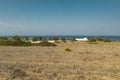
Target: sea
<point>116,38</point>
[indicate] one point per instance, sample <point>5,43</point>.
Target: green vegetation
<point>45,39</point>
<point>73,39</point>
<point>45,43</point>
<point>95,39</point>
<point>16,38</point>
<point>98,39</point>
<point>92,39</point>
<point>15,41</point>
<point>3,38</point>
<point>68,50</point>
<point>35,38</point>
<point>24,41</point>
<point>106,40</point>
<point>40,38</point>
<point>63,39</point>
<point>26,38</point>
<point>53,38</point>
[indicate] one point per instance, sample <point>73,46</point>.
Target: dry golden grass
<point>86,61</point>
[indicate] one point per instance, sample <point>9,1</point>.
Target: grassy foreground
<point>85,61</point>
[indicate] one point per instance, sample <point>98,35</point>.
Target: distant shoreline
<point>117,38</point>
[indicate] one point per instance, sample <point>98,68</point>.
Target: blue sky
<point>59,17</point>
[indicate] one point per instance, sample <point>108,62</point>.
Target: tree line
<point>25,41</point>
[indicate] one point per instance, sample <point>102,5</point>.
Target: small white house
<point>35,42</point>
<point>51,41</point>
<point>81,39</point>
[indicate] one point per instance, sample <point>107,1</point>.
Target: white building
<point>35,42</point>
<point>51,41</point>
<point>81,39</point>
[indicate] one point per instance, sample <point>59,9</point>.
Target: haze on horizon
<point>60,17</point>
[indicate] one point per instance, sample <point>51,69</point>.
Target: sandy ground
<point>86,61</point>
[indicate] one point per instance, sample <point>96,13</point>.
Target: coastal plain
<point>85,61</point>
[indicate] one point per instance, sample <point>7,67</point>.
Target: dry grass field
<point>85,61</point>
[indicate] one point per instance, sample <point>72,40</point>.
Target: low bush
<point>68,50</point>
<point>14,43</point>
<point>63,39</point>
<point>53,38</point>
<point>16,38</point>
<point>3,38</point>
<point>5,42</point>
<point>46,43</point>
<point>35,38</point>
<point>72,39</point>
<point>99,39</point>
<point>106,40</point>
<point>92,39</point>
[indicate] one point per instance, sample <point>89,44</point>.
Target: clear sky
<point>59,17</point>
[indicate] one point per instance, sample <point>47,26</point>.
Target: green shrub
<point>35,38</point>
<point>3,38</point>
<point>99,39</point>
<point>16,38</point>
<point>46,43</point>
<point>40,38</point>
<point>72,39</point>
<point>5,42</point>
<point>26,38</point>
<point>53,38</point>
<point>14,43</point>
<point>26,43</point>
<point>68,50</point>
<point>106,40</point>
<point>92,39</point>
<point>63,39</point>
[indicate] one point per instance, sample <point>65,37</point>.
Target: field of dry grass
<point>86,61</point>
